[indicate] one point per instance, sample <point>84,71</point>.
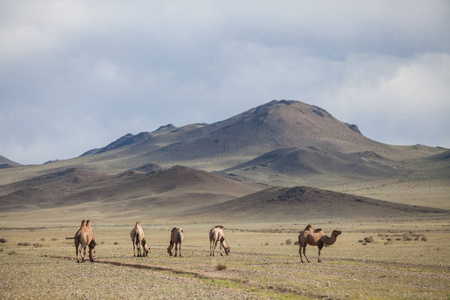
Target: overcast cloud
<point>76,75</point>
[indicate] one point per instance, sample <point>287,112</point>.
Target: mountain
<point>6,163</point>
<point>314,163</point>
<point>175,170</point>
<point>181,193</point>
<point>277,124</point>
<point>306,203</point>
<point>177,188</point>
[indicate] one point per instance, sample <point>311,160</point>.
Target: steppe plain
<point>325,174</point>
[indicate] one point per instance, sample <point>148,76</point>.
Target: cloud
<point>83,73</point>
<point>399,101</point>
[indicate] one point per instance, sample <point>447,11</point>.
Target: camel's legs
<point>304,253</point>
<point>179,249</point>
<point>83,254</point>
<point>76,250</point>
<point>176,249</point>
<point>320,246</point>
<point>214,248</point>
<point>221,246</point>
<point>134,248</point>
<point>300,252</point>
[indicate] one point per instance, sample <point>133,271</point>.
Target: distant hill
<point>6,163</point>
<point>181,193</point>
<point>177,188</point>
<point>175,170</point>
<point>306,203</point>
<point>275,125</point>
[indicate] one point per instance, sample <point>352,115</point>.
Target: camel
<point>216,234</point>
<point>83,238</point>
<point>138,240</point>
<point>315,237</point>
<point>176,237</point>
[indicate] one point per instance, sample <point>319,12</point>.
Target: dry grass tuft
<point>221,266</point>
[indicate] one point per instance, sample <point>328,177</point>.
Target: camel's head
<point>146,250</point>
<point>146,247</point>
<point>227,250</point>
<point>336,232</point>
<point>92,245</point>
<point>169,250</point>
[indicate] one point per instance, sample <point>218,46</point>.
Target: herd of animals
<point>84,238</point>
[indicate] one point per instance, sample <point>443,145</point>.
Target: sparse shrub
<point>43,239</point>
<point>54,239</point>
<point>296,243</point>
<point>3,240</point>
<point>37,245</point>
<point>288,242</point>
<point>1,250</point>
<point>424,239</point>
<point>12,252</point>
<point>267,244</point>
<point>407,238</point>
<point>116,243</point>
<point>221,266</point>
<point>369,239</point>
<point>23,244</point>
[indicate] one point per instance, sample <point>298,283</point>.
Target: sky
<point>77,75</point>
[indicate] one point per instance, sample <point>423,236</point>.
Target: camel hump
<point>173,229</point>
<point>308,227</point>
<point>318,230</point>
<point>83,223</point>
<point>88,223</point>
<point>219,226</point>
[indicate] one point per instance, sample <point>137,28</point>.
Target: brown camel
<point>83,238</point>
<point>315,237</point>
<point>216,234</point>
<point>176,237</point>
<point>138,240</point>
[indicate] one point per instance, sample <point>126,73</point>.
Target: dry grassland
<point>403,258</point>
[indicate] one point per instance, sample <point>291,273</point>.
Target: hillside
<point>307,203</point>
<point>6,163</point>
<point>280,143</point>
<point>177,188</point>
<point>277,124</point>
